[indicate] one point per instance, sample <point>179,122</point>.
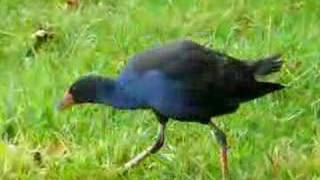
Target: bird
<point>180,80</point>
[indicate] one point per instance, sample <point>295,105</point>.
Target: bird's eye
<point>72,89</point>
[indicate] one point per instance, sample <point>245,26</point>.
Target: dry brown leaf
<point>72,4</point>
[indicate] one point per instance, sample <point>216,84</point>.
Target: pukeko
<point>182,80</point>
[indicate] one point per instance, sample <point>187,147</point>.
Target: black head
<point>85,90</point>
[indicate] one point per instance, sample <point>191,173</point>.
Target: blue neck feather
<point>112,93</point>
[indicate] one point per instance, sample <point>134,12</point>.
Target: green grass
<point>275,137</point>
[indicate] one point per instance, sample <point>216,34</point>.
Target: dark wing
<point>202,71</point>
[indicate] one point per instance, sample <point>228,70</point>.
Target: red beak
<point>66,102</point>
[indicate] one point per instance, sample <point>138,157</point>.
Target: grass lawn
<point>274,137</point>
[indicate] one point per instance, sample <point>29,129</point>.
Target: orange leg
<point>222,141</point>
<point>224,161</point>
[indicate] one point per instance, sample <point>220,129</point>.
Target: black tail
<point>267,65</point>
<point>261,89</point>
<point>267,87</point>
